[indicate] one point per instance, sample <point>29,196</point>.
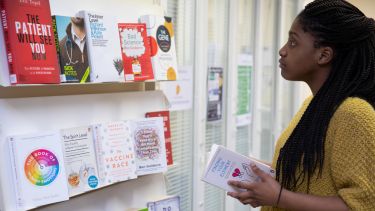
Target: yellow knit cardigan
<point>349,164</point>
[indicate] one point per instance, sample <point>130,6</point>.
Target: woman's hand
<point>264,192</point>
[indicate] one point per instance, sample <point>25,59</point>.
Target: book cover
<point>103,45</point>
<point>167,132</point>
<point>80,160</point>
<point>224,165</point>
<point>135,50</point>
<point>4,71</point>
<point>163,50</point>
<point>30,42</point>
<point>70,39</point>
<point>38,169</point>
<point>215,93</point>
<point>149,144</point>
<point>114,152</point>
<point>163,203</point>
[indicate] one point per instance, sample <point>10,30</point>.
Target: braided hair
<point>351,35</point>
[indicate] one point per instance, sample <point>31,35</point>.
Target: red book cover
<point>167,132</point>
<point>135,50</point>
<point>30,41</point>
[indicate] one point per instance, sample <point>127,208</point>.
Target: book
<point>164,203</point>
<point>163,50</point>
<point>114,152</point>
<point>4,71</point>
<point>135,50</point>
<point>167,132</point>
<point>30,42</point>
<point>80,160</point>
<point>70,40</point>
<point>38,169</point>
<point>149,145</point>
<point>224,165</point>
<point>215,93</point>
<point>103,45</point>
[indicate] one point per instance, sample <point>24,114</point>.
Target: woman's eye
<point>292,43</point>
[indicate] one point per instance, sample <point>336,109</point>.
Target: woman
<point>325,159</point>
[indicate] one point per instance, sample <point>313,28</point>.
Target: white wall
<point>26,115</point>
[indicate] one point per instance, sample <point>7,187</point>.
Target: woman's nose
<point>282,51</point>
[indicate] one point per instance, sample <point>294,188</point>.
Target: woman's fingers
<point>241,196</point>
<point>241,185</point>
<point>252,202</point>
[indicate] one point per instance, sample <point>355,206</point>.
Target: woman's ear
<point>326,55</point>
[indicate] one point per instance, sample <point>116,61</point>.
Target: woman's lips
<point>282,64</point>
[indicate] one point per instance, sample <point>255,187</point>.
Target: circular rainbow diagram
<point>41,167</point>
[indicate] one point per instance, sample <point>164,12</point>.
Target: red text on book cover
<point>135,50</point>
<point>29,41</point>
<point>167,132</point>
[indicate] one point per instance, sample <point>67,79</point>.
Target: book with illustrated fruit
<point>80,160</point>
<point>224,165</point>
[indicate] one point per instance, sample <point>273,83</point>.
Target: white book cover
<point>115,152</point>
<point>103,46</point>
<point>80,160</point>
<point>163,50</point>
<point>224,165</point>
<point>38,169</point>
<point>149,144</point>
<point>170,203</point>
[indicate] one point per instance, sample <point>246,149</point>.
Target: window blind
<point>179,177</point>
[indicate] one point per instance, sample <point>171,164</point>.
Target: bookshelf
<point>39,90</point>
<point>32,108</point>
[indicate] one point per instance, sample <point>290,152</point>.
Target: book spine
<point>90,48</point>
<point>97,136</point>
<point>5,21</point>
<point>54,28</point>
<point>16,181</point>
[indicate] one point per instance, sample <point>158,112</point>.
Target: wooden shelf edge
<point>40,90</point>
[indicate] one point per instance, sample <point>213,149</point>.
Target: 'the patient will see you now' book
<point>224,165</point>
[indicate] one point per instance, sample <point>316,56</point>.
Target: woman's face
<point>299,57</point>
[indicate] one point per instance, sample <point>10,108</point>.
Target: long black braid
<point>340,25</point>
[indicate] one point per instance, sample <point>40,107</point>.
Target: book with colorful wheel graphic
<point>38,169</point>
<point>162,43</point>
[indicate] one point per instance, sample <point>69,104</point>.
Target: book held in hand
<point>224,165</point>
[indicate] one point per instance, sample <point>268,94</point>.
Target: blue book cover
<point>71,46</point>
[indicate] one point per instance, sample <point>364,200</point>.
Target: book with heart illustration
<point>224,165</point>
